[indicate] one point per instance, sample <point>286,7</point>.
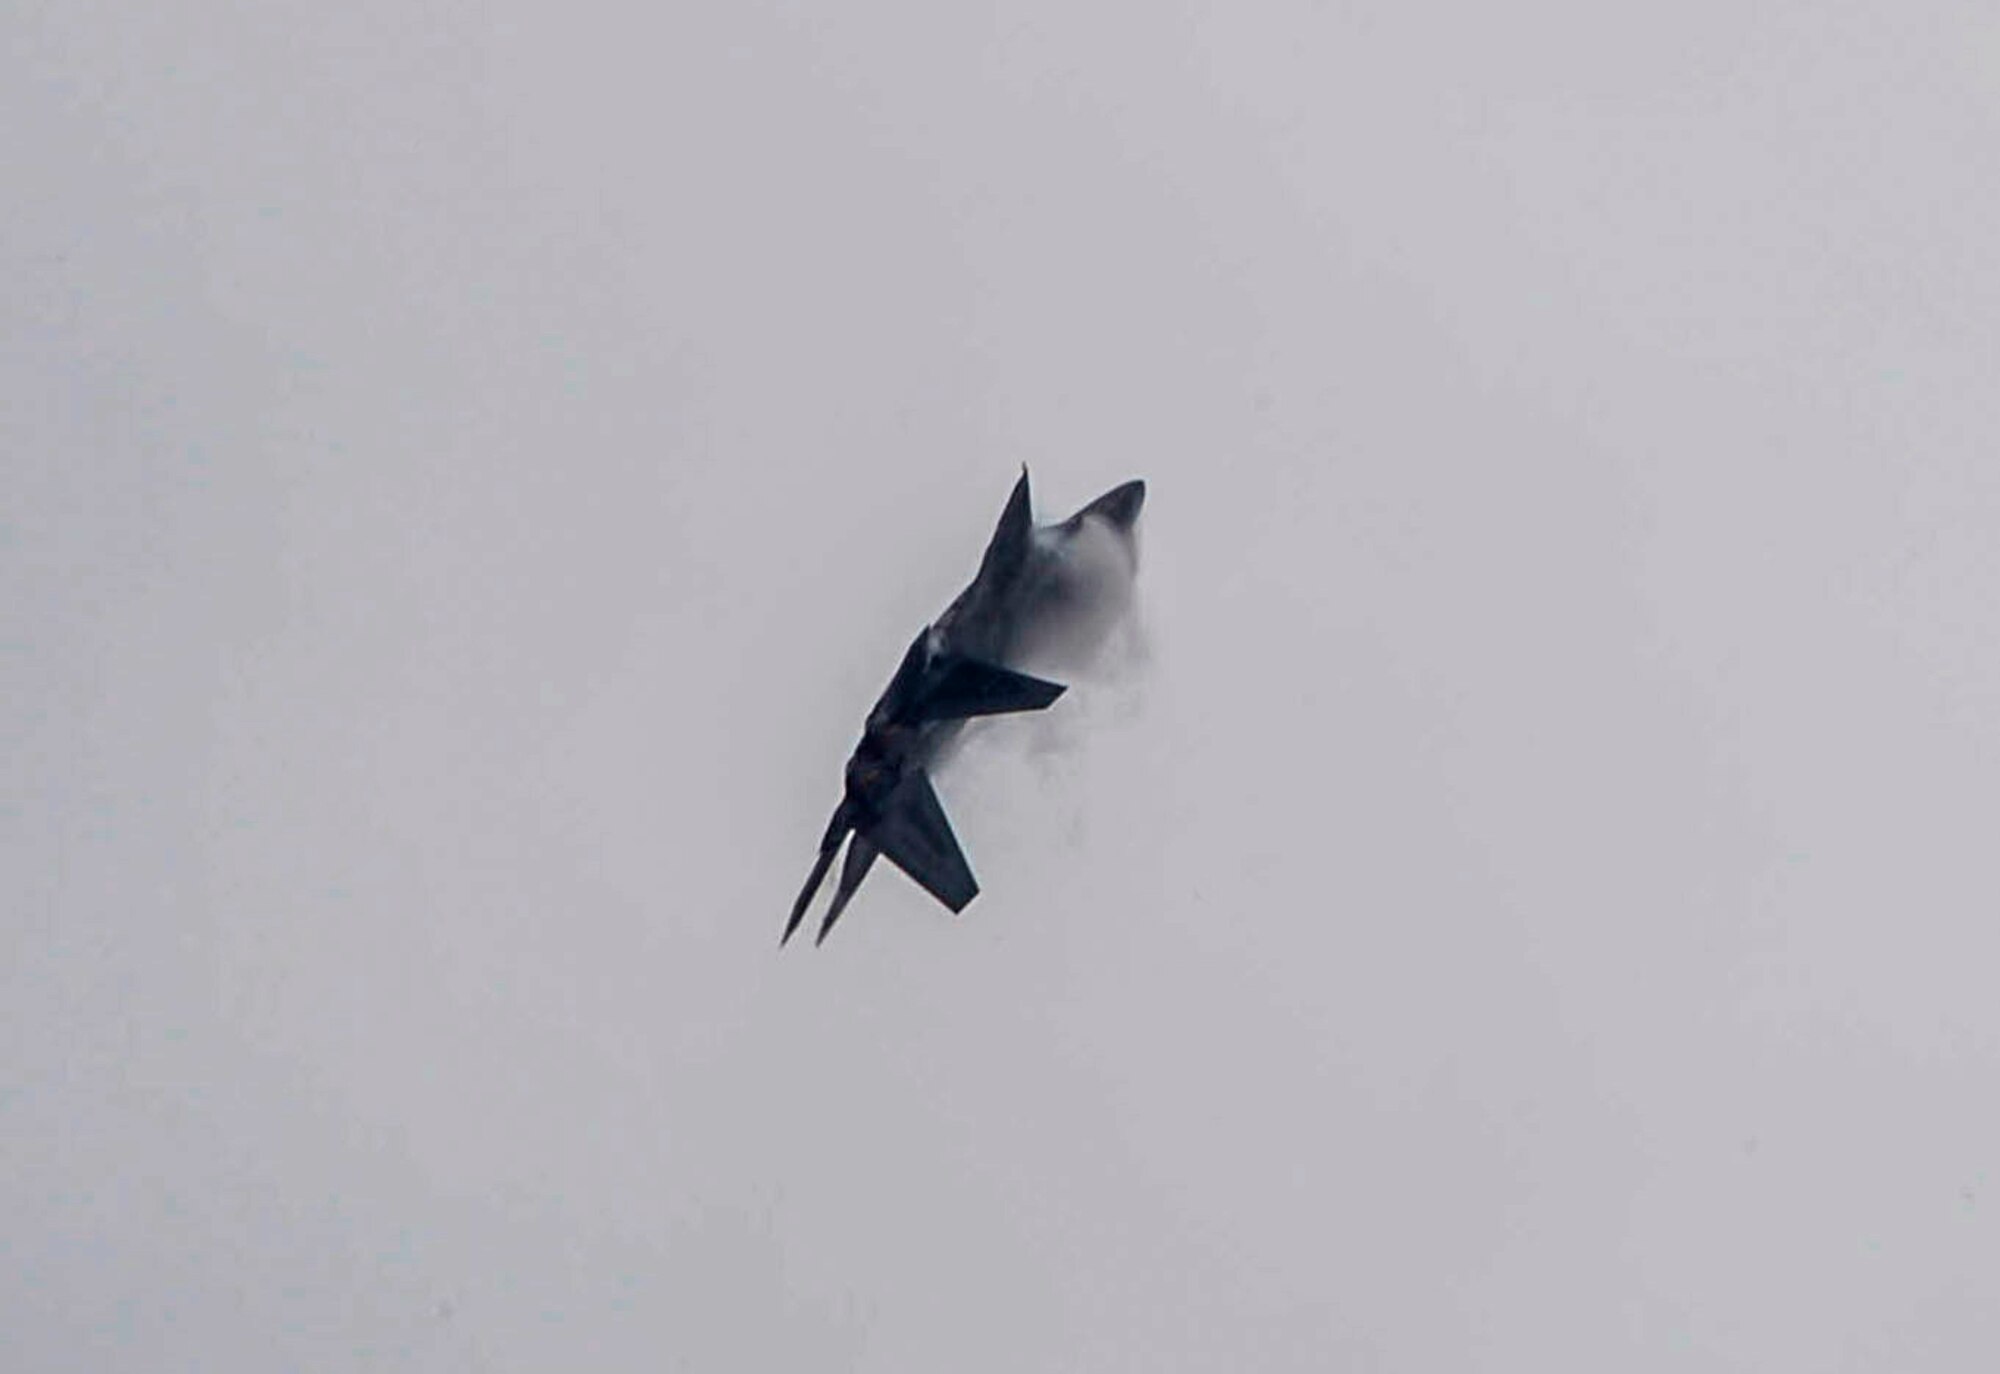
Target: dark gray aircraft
<point>1030,584</point>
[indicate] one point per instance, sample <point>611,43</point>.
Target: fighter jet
<point>1031,582</point>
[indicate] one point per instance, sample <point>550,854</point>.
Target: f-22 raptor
<point>956,668</point>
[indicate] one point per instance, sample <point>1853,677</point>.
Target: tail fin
<point>861,854</point>
<point>829,845</point>
<point>915,835</point>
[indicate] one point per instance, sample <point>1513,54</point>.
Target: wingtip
<point>1122,504</point>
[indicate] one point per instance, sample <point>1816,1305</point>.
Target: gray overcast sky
<point>468,468</point>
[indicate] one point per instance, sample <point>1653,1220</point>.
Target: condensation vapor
<point>1082,626</point>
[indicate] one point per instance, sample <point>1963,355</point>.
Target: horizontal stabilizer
<point>915,835</point>
<point>960,687</point>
